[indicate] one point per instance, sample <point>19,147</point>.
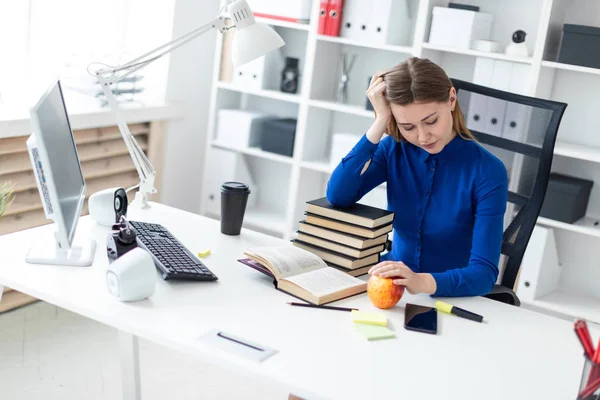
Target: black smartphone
<point>420,318</point>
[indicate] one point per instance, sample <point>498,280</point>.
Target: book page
<point>325,281</point>
<point>287,261</point>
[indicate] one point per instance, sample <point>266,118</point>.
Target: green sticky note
<point>368,318</point>
<point>374,332</point>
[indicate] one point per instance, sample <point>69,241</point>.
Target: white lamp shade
<point>252,42</point>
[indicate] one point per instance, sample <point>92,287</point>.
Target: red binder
<point>334,17</point>
<point>323,11</point>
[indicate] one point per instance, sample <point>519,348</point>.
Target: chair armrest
<point>388,245</point>
<point>499,293</point>
<point>505,295</point>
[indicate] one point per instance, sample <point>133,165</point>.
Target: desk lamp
<point>251,40</point>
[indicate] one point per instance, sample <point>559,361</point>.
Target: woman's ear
<point>452,99</point>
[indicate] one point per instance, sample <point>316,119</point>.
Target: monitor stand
<point>81,254</point>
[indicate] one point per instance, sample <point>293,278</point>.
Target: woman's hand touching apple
<point>404,276</point>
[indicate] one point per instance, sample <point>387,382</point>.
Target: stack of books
<point>350,239</point>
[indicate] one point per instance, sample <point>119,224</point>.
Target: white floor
<point>49,353</point>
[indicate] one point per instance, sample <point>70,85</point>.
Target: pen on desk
<point>323,307</point>
<point>583,334</point>
<point>220,334</point>
<point>459,312</point>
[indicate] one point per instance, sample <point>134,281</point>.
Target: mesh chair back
<point>520,131</point>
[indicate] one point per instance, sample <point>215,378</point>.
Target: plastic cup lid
<point>235,187</point>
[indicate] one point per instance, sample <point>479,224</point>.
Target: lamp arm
<point>108,76</point>
<point>145,59</point>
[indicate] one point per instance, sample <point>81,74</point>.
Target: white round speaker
<point>108,205</point>
<point>132,277</point>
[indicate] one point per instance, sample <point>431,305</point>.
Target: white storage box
<point>287,10</point>
<point>240,128</point>
<point>379,22</point>
<point>261,73</point>
<point>251,75</point>
<point>458,28</point>
<point>341,144</point>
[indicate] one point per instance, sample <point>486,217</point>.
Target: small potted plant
<point>6,196</point>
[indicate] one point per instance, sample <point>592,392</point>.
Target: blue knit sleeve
<point>349,181</point>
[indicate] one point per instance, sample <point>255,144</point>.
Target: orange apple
<point>383,293</point>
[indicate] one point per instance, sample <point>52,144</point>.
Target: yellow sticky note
<point>362,317</point>
<point>374,332</point>
<point>204,253</point>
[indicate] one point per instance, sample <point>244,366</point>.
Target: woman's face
<point>426,125</point>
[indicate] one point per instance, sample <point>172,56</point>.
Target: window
<point>13,44</point>
<point>42,40</point>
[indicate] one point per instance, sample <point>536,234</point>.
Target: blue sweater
<point>449,207</point>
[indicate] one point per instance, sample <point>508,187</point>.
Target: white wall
<point>189,84</point>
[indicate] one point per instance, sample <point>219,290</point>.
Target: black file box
<point>278,136</point>
<point>580,45</point>
<point>566,198</point>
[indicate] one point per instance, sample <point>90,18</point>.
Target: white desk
<point>515,354</point>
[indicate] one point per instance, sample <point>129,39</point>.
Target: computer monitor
<point>60,181</point>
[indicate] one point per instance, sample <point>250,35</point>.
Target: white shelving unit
<point>587,226</point>
<point>350,42</point>
<point>265,219</point>
<point>261,219</point>
<point>572,287</point>
<point>286,183</point>
<point>254,151</point>
<point>342,108</point>
<point>569,304</point>
<point>476,53</point>
<point>569,67</point>
<point>577,151</point>
<point>269,94</point>
<point>319,166</point>
<point>283,24</point>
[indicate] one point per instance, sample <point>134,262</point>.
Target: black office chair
<point>520,131</point>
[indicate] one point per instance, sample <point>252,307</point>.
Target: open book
<point>303,274</point>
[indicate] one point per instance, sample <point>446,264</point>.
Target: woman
<point>448,193</point>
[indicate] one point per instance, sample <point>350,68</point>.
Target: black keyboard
<point>172,258</point>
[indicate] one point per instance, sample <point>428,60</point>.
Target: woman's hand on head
<point>376,94</point>
<point>402,275</point>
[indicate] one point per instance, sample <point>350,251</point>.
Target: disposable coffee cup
<point>234,196</point>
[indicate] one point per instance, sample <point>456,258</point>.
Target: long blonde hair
<point>419,79</point>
